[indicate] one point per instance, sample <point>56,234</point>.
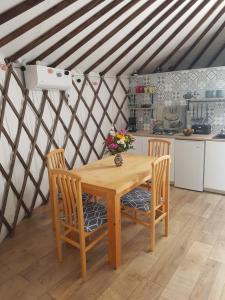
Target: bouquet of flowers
<point>117,142</point>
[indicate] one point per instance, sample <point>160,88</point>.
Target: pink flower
<point>109,140</point>
<point>113,146</point>
<point>123,131</point>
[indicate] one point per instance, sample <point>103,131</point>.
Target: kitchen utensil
<point>201,112</point>
<point>207,113</point>
<point>193,113</point>
<point>197,112</point>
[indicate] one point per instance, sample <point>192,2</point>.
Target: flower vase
<point>118,160</point>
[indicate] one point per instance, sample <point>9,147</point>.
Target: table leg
<point>114,225</point>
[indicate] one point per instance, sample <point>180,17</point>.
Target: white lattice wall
<point>33,124</point>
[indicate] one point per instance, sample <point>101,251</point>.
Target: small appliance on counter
<point>202,128</point>
<point>132,127</point>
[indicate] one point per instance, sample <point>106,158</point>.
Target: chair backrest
<point>160,180</point>
<point>158,147</point>
<point>69,185</point>
<point>56,159</point>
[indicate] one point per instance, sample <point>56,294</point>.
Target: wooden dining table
<point>102,178</point>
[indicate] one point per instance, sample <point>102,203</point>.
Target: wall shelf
<point>141,94</point>
<point>140,108</point>
<point>206,100</point>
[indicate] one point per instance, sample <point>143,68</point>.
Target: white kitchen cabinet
<point>141,147</point>
<point>214,177</point>
<point>189,164</point>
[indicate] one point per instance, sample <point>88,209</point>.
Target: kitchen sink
<point>219,136</point>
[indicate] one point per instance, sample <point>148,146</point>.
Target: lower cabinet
<point>198,164</point>
<point>189,164</point>
<point>214,177</point>
<point>141,147</point>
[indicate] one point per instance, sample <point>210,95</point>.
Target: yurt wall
<point>32,123</point>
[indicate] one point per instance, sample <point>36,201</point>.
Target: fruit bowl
<point>187,131</point>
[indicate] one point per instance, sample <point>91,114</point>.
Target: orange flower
<point>119,136</point>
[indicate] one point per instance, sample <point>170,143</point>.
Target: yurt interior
<point>112,150</point>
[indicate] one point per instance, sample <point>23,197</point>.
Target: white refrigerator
<point>189,164</point>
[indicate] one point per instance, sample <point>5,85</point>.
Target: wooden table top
<point>103,173</point>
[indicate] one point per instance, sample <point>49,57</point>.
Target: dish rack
<point>198,110</point>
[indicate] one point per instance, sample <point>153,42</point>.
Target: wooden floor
<point>189,264</point>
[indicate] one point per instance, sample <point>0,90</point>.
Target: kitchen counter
<point>148,134</point>
<point>195,137</point>
<point>179,136</point>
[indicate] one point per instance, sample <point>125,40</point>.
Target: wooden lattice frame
<point>52,143</point>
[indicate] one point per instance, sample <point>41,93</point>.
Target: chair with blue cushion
<point>150,207</point>
<point>84,218</point>
<point>56,160</point>
<point>157,148</point>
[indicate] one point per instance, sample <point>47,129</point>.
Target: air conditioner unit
<point>44,78</point>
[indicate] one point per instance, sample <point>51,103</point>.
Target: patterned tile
<point>173,85</point>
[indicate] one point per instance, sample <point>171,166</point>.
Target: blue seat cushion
<point>85,197</point>
<point>137,198</point>
<point>95,215</point>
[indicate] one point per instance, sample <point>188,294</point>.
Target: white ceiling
<point>30,35</point>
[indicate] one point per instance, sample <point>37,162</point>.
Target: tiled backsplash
<point>199,84</point>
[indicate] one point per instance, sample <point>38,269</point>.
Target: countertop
<point>180,136</point>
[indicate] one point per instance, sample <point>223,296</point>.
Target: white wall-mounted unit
<point>44,78</point>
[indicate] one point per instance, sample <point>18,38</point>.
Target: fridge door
<point>189,164</point>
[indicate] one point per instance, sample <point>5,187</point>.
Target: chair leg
<point>58,242</point>
<point>152,234</point>
<point>83,263</point>
<point>167,224</point>
<point>83,257</point>
<point>135,216</point>
<point>53,214</point>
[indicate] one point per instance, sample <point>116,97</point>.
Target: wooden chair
<point>153,206</point>
<point>157,148</point>
<point>56,160</point>
<point>76,216</point>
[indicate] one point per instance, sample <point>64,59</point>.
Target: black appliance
<point>132,127</point>
<point>201,128</point>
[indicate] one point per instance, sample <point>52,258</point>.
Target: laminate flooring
<point>189,264</point>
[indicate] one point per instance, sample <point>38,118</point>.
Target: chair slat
<point>69,184</point>
<point>158,199</point>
